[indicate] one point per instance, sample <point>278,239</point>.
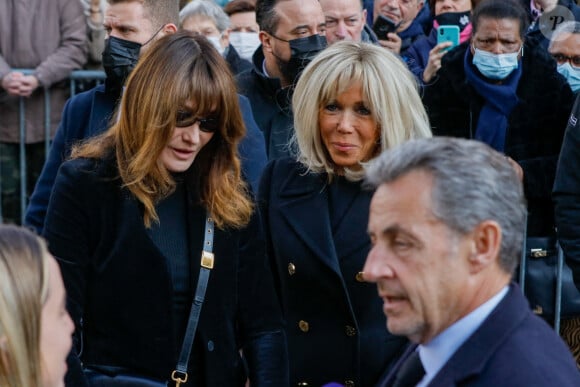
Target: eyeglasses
<point>185,118</point>
<point>561,59</point>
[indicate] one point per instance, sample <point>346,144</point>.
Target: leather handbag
<point>105,376</point>
<point>548,282</point>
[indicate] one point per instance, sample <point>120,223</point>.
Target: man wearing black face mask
<point>292,33</point>
<point>131,25</point>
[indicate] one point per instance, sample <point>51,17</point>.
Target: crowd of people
<point>225,207</point>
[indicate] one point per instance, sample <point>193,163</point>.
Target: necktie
<point>411,372</point>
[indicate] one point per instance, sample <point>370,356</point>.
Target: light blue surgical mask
<point>571,74</point>
<point>496,66</point>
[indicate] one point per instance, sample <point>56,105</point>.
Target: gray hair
<point>208,9</point>
<point>569,27</point>
<point>472,183</point>
<point>388,87</point>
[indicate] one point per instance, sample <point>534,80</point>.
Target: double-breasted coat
<point>316,235</point>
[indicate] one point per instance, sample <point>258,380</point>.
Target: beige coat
<point>49,36</point>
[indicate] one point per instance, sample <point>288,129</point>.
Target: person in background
<point>49,38</point>
<point>131,26</point>
<point>206,18</point>
<point>565,49</point>
<point>424,56</point>
<point>95,16</point>
<point>127,222</point>
<point>446,239</point>
<point>544,16</point>
<point>408,29</point>
<point>292,33</point>
<point>566,198</point>
<point>353,101</point>
<point>346,20</point>
<point>35,328</point>
<point>505,91</point>
<point>244,28</point>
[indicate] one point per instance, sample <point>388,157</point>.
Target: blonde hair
<point>389,90</point>
<point>23,291</point>
<point>178,70</point>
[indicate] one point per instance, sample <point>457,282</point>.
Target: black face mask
<point>459,19</point>
<point>303,50</point>
<point>119,58</point>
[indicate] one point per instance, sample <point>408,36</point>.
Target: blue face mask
<point>571,74</point>
<point>496,66</point>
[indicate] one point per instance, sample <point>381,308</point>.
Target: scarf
<point>500,100</point>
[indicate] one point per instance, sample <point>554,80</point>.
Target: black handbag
<point>105,376</point>
<point>548,282</point>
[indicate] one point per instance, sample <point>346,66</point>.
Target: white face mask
<point>215,40</point>
<point>245,43</point>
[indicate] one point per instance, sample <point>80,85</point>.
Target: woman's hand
<point>434,63</point>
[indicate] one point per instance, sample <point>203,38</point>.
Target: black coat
<point>271,106</point>
<point>237,64</point>
<point>316,237</point>
<point>567,194</point>
<point>535,126</point>
<point>120,293</point>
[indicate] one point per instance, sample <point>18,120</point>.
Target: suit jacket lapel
<point>307,197</point>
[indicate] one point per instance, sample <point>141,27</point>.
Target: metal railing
<point>74,79</point>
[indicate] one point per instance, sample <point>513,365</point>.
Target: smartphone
<point>383,25</point>
<point>448,33</point>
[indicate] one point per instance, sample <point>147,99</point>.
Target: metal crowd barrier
<point>75,78</point>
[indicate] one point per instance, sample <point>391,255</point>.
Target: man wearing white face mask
<point>565,49</point>
<point>505,92</point>
<point>243,27</point>
<point>206,18</point>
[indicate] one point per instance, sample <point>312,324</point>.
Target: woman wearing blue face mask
<point>565,49</point>
<point>507,93</point>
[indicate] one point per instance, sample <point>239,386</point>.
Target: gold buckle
<point>538,253</point>
<point>207,260</point>
<point>177,379</point>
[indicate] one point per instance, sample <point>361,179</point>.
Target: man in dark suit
<point>446,239</point>
<point>131,26</point>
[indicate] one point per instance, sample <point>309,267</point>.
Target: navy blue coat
<point>120,293</point>
<point>271,105</point>
<point>88,114</point>
<point>417,56</point>
<point>316,237</point>
<point>513,347</point>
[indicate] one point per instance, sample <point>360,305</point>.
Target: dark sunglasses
<point>185,118</point>
<point>561,59</point>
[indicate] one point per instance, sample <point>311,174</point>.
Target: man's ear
<point>266,40</point>
<point>485,246</point>
<point>169,29</point>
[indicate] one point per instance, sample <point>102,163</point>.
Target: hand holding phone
<point>448,33</point>
<point>383,26</point>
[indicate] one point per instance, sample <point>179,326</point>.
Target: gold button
<point>304,326</point>
<point>350,331</point>
<point>359,276</point>
<point>348,383</point>
<point>291,268</point>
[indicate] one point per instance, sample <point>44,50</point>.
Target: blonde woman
<point>353,101</point>
<point>35,328</point>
